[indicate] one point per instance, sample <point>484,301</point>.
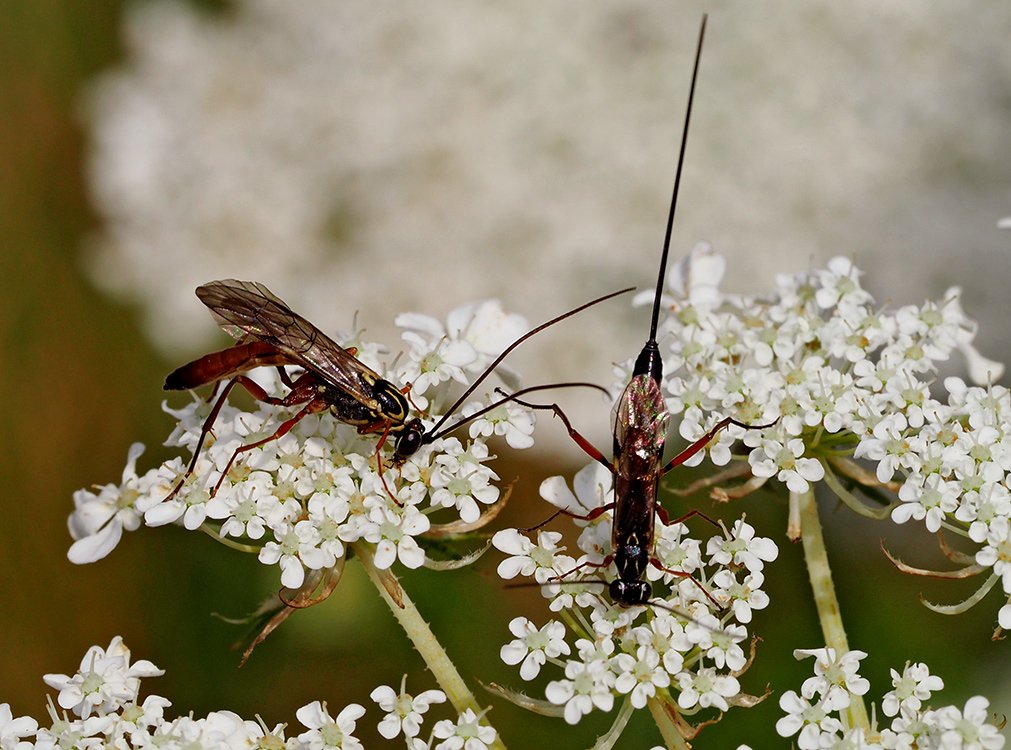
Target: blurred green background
<point>81,382</point>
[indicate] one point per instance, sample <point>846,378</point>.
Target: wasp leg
<point>406,390</point>
<point>655,562</point>
<point>312,407</point>
<point>661,513</point>
<point>285,377</point>
<point>379,464</point>
<point>586,564</point>
<point>301,391</point>
<point>205,428</point>
<point>582,442</point>
<point>593,514</point>
<point>701,443</point>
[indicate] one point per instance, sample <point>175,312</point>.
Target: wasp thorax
<point>631,559</point>
<point>392,403</point>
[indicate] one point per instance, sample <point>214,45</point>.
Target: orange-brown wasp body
<point>333,379</point>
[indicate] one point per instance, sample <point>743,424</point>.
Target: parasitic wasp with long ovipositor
<point>271,334</point>
<point>640,433</point>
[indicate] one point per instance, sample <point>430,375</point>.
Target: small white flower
<point>514,422</point>
<point>463,490</point>
<point>98,521</point>
<point>742,548</point>
<point>676,551</point>
<point>969,728</point>
<point>812,720</point>
<point>295,550</point>
<point>834,674</point>
<point>533,647</point>
<point>706,688</point>
<point>466,732</point>
<point>327,513</point>
<point>640,675</point>
<point>397,528</point>
<point>666,635</point>
<point>12,730</point>
<point>326,733</point>
<point>404,711</point>
<point>910,689</point>
<point>721,645</point>
<point>105,681</point>
<point>929,500</point>
<point>840,285</point>
<point>429,364</point>
<point>525,557</point>
<point>136,722</point>
<point>785,462</point>
<point>744,596</point>
<point>997,551</point>
<point>587,686</point>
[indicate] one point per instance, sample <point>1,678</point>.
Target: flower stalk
<point>804,507</point>
<point>424,640</point>
<point>668,730</point>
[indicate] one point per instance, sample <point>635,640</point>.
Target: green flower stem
<point>216,536</point>
<point>825,599</point>
<point>671,736</point>
<point>424,640</point>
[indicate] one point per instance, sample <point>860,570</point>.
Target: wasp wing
<point>641,420</point>
<point>248,309</point>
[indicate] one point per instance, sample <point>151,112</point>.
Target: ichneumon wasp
<point>269,333</point>
<point>641,423</point>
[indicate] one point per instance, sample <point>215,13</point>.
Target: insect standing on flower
<point>270,333</point>
<point>640,433</point>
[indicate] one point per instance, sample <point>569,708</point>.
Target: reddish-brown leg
<point>587,564</point>
<point>588,448</point>
<point>406,390</point>
<point>302,390</point>
<point>595,513</point>
<point>701,443</point>
<point>655,562</point>
<point>379,464</point>
<point>662,515</point>
<point>313,407</point>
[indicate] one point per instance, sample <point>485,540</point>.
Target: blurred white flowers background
<point>355,155</point>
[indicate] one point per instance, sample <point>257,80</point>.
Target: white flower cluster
<point>200,153</point>
<point>104,699</point>
<point>686,644</point>
<point>299,500</point>
<point>817,715</point>
<point>844,379</point>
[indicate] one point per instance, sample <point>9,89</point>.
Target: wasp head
<point>411,437</point>
<point>630,593</point>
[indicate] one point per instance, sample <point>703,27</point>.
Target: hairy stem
<point>424,640</point>
<point>825,599</point>
<point>668,730</point>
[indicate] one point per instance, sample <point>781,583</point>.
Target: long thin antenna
<point>431,434</point>
<point>677,184</point>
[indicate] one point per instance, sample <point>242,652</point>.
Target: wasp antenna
<point>677,184</point>
<point>510,397</point>
<point>430,435</point>
<point>579,582</point>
